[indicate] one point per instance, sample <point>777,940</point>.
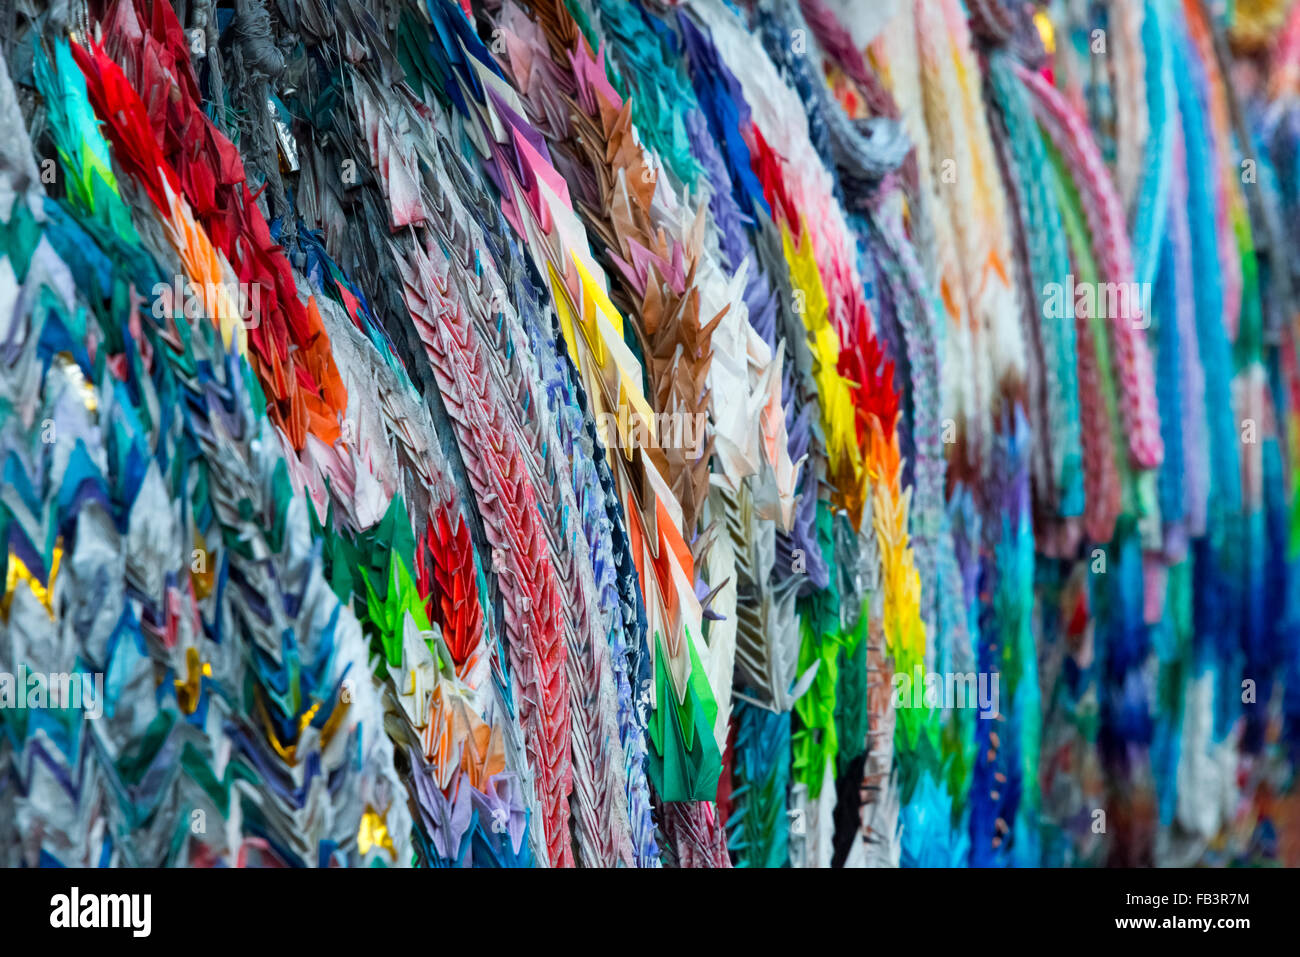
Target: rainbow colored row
<point>625,433</point>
